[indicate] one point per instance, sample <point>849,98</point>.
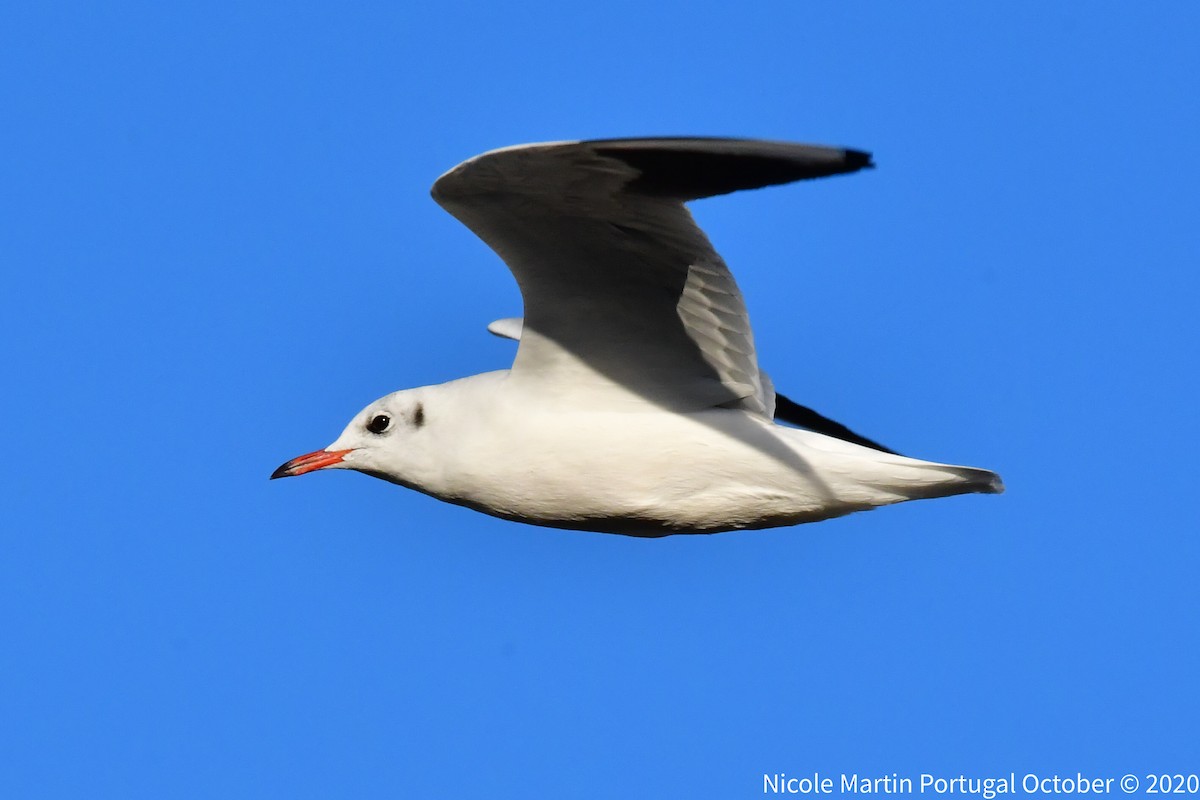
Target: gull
<point>635,403</point>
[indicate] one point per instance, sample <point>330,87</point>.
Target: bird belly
<point>656,474</point>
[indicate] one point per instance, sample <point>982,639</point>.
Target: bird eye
<point>379,423</point>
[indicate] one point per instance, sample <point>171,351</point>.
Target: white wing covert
<point>622,289</point>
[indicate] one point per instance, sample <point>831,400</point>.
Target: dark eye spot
<point>418,418</point>
<point>379,423</point>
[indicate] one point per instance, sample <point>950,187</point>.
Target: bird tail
<point>915,479</point>
<point>979,480</point>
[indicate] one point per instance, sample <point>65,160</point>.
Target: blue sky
<point>218,245</point>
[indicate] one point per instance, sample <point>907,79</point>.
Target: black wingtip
<point>859,159</point>
<point>787,410</point>
<point>692,168</point>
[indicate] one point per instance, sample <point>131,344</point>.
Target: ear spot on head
<point>418,417</point>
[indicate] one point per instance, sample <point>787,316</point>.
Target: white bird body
<point>635,403</point>
<point>487,443</point>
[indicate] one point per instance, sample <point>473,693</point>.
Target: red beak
<point>310,462</point>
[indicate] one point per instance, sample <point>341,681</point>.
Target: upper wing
<point>622,290</point>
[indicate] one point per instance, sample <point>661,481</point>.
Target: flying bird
<point>635,403</point>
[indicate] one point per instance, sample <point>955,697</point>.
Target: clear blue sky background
<point>218,245</point>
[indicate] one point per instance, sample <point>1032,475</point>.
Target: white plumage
<point>635,403</point>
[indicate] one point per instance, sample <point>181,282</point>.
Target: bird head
<point>379,441</point>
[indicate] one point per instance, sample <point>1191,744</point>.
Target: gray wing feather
<point>622,289</point>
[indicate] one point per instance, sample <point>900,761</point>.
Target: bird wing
<point>507,328</point>
<point>623,291</point>
<point>777,406</point>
